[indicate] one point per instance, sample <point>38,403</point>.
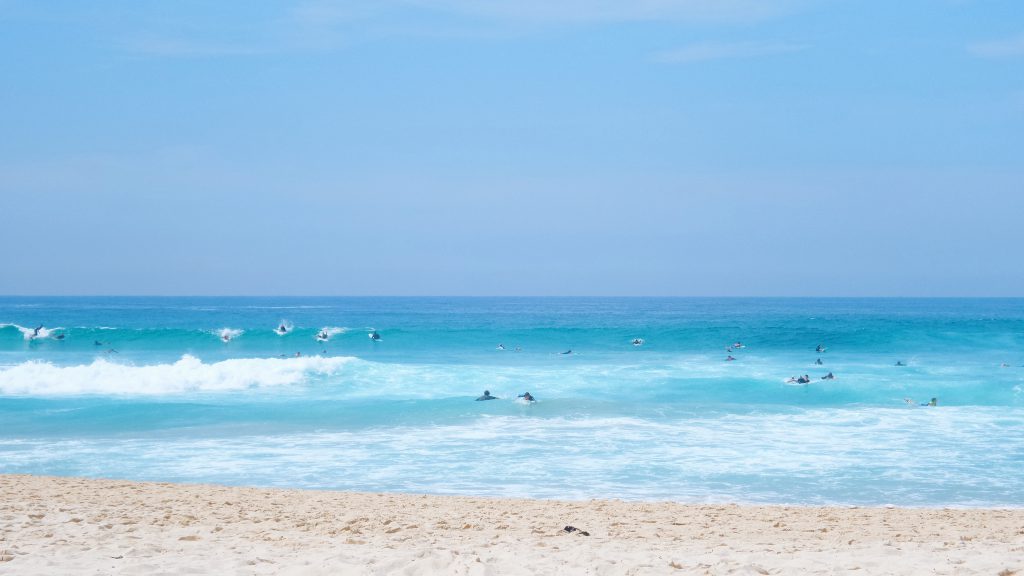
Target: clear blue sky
<point>531,147</point>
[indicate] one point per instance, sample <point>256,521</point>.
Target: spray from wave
<point>189,374</point>
<point>229,334</point>
<point>34,333</point>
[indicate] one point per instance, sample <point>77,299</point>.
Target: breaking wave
<point>189,374</point>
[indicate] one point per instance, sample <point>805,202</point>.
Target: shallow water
<point>146,388</point>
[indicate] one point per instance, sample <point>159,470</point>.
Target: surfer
<point>818,362</point>
<point>97,343</point>
<point>36,331</point>
<point>819,349</point>
<point>729,358</point>
<point>900,363</point>
<point>487,396</point>
<point>374,336</point>
<point>738,345</point>
<point>527,397</point>
<point>638,341</point>
<point>59,336</point>
<point>567,352</point>
<point>323,335</point>
<point>805,379</point>
<point>282,329</point>
<point>932,402</point>
<point>828,376</point>
<point>501,346</point>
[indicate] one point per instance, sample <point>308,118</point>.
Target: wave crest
<point>189,374</point>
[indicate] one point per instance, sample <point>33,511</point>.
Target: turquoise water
<point>146,388</point>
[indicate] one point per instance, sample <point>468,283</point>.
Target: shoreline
<point>58,525</point>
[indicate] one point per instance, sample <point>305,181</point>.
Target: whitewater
<point>211,390</point>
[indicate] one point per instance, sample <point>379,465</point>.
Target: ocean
<point>208,390</point>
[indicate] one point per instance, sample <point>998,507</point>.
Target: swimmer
<point>932,402</point>
<point>738,345</point>
<point>225,337</point>
<point>282,329</point>
<point>374,336</point>
<point>828,376</point>
<point>323,335</point>
<point>526,396</point>
<point>59,337</point>
<point>819,349</point>
<point>97,343</point>
<point>729,358</point>
<point>298,354</point>
<point>638,342</point>
<point>501,346</point>
<point>818,362</point>
<point>487,396</point>
<point>899,363</point>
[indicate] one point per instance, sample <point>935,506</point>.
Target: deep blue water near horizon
<point>150,389</point>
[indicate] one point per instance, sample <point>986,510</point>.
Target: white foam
<point>32,333</point>
<point>229,334</point>
<point>189,374</point>
<point>330,331</point>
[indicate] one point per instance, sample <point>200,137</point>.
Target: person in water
<point>805,379</point>
<point>282,329</point>
<point>486,396</point>
<point>932,402</point>
<point>374,335</point>
<point>527,396</point>
<point>729,358</point>
<point>819,349</point>
<point>566,352</point>
<point>900,363</point>
<point>36,331</point>
<point>501,346</point>
<point>828,376</point>
<point>818,362</point>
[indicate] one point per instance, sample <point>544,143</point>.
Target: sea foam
<point>189,374</point>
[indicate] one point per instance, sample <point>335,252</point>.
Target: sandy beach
<point>80,526</point>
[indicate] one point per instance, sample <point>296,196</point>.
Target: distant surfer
<point>805,379</point>
<point>738,345</point>
<point>828,376</point>
<point>59,336</point>
<point>567,352</point>
<point>729,358</point>
<point>323,336</point>
<point>819,349</point>
<point>638,342</point>
<point>818,362</point>
<point>527,397</point>
<point>487,396</point>
<point>225,337</point>
<point>282,329</point>
<point>899,363</point>
<point>36,331</point>
<point>932,402</point>
<point>97,343</point>
<point>501,346</point>
<point>374,336</point>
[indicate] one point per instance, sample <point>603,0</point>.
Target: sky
<point>530,147</point>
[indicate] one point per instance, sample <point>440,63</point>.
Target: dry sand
<point>78,526</point>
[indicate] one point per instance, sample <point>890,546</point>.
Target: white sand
<point>78,526</point>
